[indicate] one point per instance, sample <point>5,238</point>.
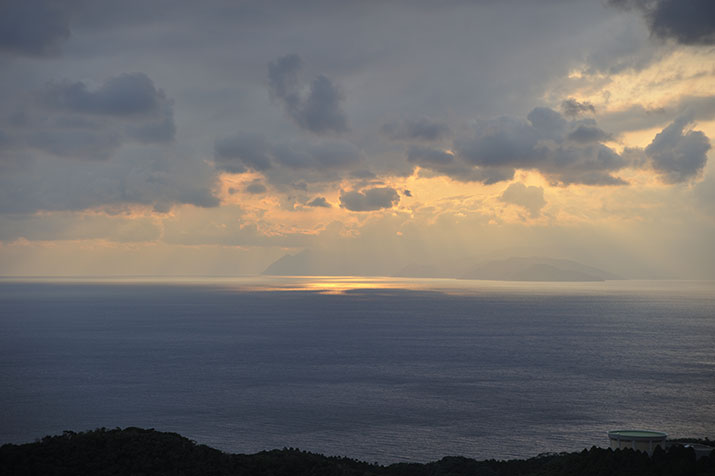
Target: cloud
<point>317,110</point>
<point>156,177</point>
<point>586,133</point>
<point>68,119</point>
<point>548,123</point>
<point>531,198</point>
<point>242,151</point>
<point>564,151</point>
<point>286,162</point>
<point>283,81</point>
<point>573,108</point>
<point>370,199</point>
<point>77,226</point>
<point>639,117</point>
<point>446,163</point>
<point>678,155</point>
<point>688,22</point>
<point>318,202</point>
<point>625,47</point>
<point>422,128</point>
<point>256,187</point>
<point>317,155</point>
<point>128,94</point>
<point>33,27</point>
<point>429,157</point>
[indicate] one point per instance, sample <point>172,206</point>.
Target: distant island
<point>537,269</point>
<point>136,451</point>
<point>309,263</point>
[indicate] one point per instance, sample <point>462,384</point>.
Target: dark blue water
<point>409,372</point>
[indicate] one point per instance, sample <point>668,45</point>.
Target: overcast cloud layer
<point>289,125</point>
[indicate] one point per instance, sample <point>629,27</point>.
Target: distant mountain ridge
<point>308,263</point>
<point>299,264</point>
<point>537,269</point>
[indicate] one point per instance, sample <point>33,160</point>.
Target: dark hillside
<point>135,451</point>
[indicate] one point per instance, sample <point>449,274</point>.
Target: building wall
<point>641,445</point>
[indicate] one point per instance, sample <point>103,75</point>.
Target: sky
<point>152,137</point>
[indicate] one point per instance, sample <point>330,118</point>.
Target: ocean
<point>383,370</point>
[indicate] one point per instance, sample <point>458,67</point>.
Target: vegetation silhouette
<point>137,451</point>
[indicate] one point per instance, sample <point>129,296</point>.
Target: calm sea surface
<point>383,370</point>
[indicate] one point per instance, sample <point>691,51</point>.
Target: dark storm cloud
<point>318,202</point>
<point>283,81</point>
<point>690,22</point>
<point>422,128</point>
<point>548,123</point>
<point>128,94</point>
<point>72,147</point>
<point>573,108</point>
<point>317,155</point>
<point>33,27</point>
<point>531,198</point>
<point>439,162</point>
<point>564,151</point>
<point>285,162</point>
<point>500,142</point>
<point>68,119</point>
<point>678,155</point>
<point>370,199</point>
<point>243,151</point>
<point>318,109</point>
<point>585,133</point>
<point>429,157</point>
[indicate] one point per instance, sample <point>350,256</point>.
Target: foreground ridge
<point>137,451</point>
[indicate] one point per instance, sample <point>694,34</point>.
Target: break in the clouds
<point>530,197</point>
<point>690,22</point>
<point>369,199</point>
<point>677,154</point>
<point>33,27</point>
<point>317,109</point>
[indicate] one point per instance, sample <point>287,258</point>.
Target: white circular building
<point>640,440</point>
